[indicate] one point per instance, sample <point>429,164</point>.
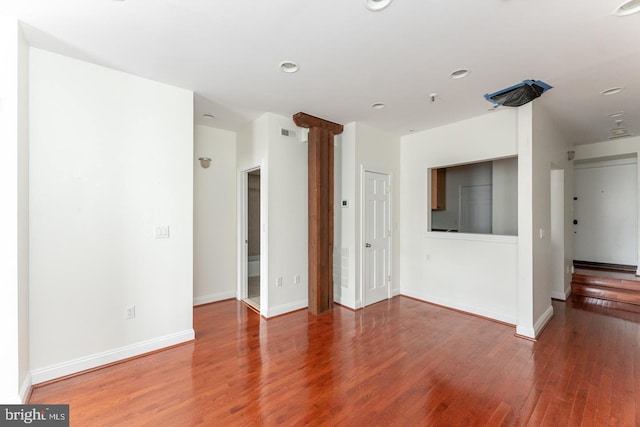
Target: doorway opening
<point>252,239</point>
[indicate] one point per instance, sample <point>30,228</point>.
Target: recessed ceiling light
<point>616,114</point>
<point>378,106</point>
<point>288,66</point>
<point>611,91</point>
<point>620,136</point>
<point>628,8</point>
<point>209,116</point>
<point>376,5</point>
<point>618,132</point>
<point>460,74</point>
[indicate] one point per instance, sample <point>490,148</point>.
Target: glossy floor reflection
<point>399,362</point>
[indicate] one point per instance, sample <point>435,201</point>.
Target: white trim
<point>543,320</point>
<point>110,356</point>
<point>501,317</point>
<point>218,296</point>
<point>492,238</point>
<point>538,326</point>
<point>285,308</point>
<point>345,301</point>
<point>560,296</point>
<point>25,388</point>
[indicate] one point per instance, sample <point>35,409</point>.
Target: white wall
<point>549,150</point>
<point>618,148</point>
<point>111,158</point>
<point>214,219</point>
<point>288,219</point>
<point>474,273</point>
<point>284,212</point>
<point>365,149</point>
<point>14,193</point>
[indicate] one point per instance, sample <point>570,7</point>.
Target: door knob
<point>367,245</point>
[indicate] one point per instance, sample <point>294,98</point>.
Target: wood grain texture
<point>320,186</point>
<point>607,285</point>
<point>399,362</point>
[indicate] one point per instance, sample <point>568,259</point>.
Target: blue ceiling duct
<point>518,94</point>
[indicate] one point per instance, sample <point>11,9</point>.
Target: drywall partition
<point>288,247</point>
<point>252,145</point>
<point>475,273</point>
<point>345,246</point>
<point>14,193</point>
<point>615,149</point>
<point>111,224</point>
<point>283,186</point>
<point>549,152</point>
<point>363,148</point>
<point>214,239</point>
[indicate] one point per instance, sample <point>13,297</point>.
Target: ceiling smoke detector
<point>616,114</point>
<point>628,8</point>
<point>376,5</point>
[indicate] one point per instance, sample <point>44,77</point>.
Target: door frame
<point>243,234</point>
<point>361,239</point>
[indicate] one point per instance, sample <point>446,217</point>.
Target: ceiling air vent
<point>518,94</point>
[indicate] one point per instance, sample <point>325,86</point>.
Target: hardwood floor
<point>398,362</point>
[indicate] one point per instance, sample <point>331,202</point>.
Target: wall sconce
<point>205,162</point>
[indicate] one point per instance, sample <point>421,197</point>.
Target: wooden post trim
<point>320,172</point>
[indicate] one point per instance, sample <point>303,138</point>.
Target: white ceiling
<point>228,52</point>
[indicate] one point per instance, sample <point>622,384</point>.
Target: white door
<point>606,212</point>
<point>377,228</point>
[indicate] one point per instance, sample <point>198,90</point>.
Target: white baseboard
<point>25,388</point>
<point>501,317</point>
<point>561,296</point>
<point>543,320</point>
<point>84,363</point>
<point>218,296</point>
<point>538,326</point>
<point>284,308</point>
<point>347,302</point>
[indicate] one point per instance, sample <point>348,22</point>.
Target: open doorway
<point>252,290</point>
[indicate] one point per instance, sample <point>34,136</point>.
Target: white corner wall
<point>288,219</point>
<point>111,158</point>
<point>363,148</point>
<point>284,212</point>
<point>542,148</point>
<point>215,254</point>
<point>474,273</point>
<point>14,193</point>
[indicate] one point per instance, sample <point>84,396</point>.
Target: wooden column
<point>320,158</point>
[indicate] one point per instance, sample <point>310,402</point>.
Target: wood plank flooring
<point>399,362</point>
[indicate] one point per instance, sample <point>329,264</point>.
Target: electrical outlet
<point>279,282</point>
<point>130,312</point>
